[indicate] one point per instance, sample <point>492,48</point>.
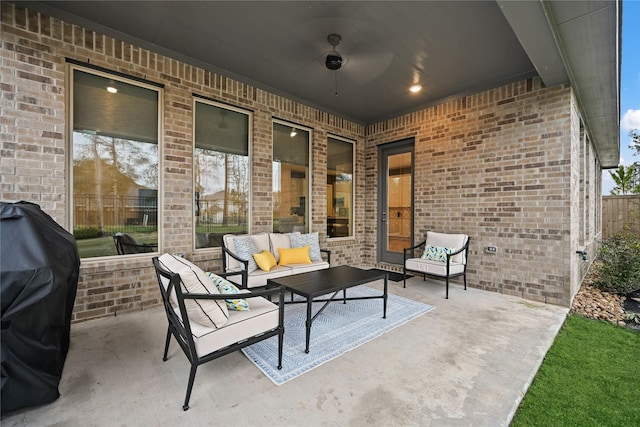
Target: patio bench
<point>444,256</point>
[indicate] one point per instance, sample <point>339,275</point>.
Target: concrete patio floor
<point>466,363</point>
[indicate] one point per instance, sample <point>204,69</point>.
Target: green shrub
<point>86,233</point>
<point>620,258</point>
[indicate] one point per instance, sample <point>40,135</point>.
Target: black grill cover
<point>39,267</point>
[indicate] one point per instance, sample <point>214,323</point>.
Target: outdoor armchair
<point>199,320</point>
<point>126,244</point>
<point>443,255</point>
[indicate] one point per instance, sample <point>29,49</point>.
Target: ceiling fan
<point>363,64</point>
<point>333,61</point>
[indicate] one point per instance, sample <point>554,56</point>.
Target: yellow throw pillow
<point>294,255</point>
<point>265,260</point>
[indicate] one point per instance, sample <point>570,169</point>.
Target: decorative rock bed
<point>593,303</point>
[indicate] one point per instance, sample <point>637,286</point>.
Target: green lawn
<point>590,377</point>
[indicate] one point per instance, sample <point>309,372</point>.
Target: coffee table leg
<point>308,323</point>
<point>384,298</point>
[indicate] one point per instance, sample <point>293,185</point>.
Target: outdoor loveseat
<point>443,255</point>
<point>260,257</point>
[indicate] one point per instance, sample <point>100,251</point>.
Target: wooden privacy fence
<point>620,213</point>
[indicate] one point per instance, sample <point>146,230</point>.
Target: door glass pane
<point>399,202</point>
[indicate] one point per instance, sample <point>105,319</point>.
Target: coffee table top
<point>320,282</point>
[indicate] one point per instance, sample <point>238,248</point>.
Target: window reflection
<point>221,173</point>
<point>290,178</point>
<point>114,163</point>
<point>339,188</point>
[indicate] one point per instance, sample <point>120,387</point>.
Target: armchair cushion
<point>226,287</point>
<point>241,325</point>
<point>447,240</point>
<point>210,313</point>
<point>311,239</point>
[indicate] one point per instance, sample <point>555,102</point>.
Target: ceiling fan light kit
<point>333,61</point>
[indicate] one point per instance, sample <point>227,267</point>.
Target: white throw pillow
<point>210,313</point>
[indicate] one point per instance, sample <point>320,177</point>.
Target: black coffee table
<point>318,283</point>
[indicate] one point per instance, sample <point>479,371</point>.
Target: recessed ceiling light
<point>111,88</point>
<point>415,88</point>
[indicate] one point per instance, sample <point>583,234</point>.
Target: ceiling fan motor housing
<point>333,61</point>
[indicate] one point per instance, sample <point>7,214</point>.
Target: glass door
<point>395,201</point>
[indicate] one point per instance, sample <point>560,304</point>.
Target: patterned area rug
<point>340,328</point>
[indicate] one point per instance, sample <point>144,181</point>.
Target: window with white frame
<point>291,180</point>
<point>114,161</point>
<point>221,172</point>
<point>340,191</point>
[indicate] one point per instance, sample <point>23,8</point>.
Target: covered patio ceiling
<point>450,48</point>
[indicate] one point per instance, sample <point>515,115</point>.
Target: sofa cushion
<point>311,239</point>
<point>265,260</point>
<point>259,278</point>
<point>245,248</point>
<point>294,256</point>
<point>436,253</point>
<point>261,241</point>
<point>208,313</point>
<point>226,287</point>
<point>279,240</point>
<point>305,268</point>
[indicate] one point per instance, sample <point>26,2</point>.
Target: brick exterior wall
<point>502,166</point>
<point>499,165</point>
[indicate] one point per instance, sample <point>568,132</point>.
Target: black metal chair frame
<point>137,248</point>
<point>410,252</point>
<point>181,330</point>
